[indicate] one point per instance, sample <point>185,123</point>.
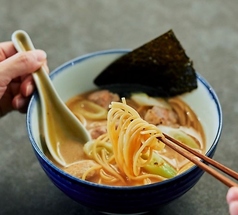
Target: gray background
<point>208,30</point>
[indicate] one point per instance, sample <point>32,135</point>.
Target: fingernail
<point>40,55</point>
<point>29,89</point>
<point>20,103</point>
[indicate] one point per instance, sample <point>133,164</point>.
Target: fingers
<point>16,83</point>
<point>233,208</point>
<point>21,64</point>
<point>232,194</point>
<point>27,86</point>
<point>6,100</point>
<point>20,103</point>
<point>21,93</point>
<point>232,200</point>
<point>7,49</point>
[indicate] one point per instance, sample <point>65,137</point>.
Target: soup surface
<point>125,154</point>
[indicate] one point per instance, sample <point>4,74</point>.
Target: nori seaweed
<point>161,64</point>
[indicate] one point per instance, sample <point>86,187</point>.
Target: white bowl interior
<point>77,76</point>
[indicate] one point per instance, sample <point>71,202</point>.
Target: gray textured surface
<point>208,31</point>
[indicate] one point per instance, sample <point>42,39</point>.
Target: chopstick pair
<point>193,156</point>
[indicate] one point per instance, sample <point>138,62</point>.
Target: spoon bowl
<point>59,124</point>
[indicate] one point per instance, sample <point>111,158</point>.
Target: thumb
<point>22,63</point>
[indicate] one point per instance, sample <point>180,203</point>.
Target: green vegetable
<point>159,166</point>
<point>144,100</point>
<point>184,138</point>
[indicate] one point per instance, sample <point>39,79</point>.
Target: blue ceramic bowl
<point>77,76</point>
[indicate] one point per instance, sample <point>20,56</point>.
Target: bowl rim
<point>81,58</point>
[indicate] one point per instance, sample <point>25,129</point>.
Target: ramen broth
<point>72,150</point>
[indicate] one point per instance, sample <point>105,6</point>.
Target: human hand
<point>16,82</point>
<point>232,200</point>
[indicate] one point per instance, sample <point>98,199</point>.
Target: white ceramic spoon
<point>60,125</point>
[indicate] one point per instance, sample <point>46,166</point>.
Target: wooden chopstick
<point>193,156</point>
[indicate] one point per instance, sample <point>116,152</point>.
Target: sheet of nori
<point>161,64</point>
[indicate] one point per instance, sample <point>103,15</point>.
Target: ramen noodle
<point>125,149</point>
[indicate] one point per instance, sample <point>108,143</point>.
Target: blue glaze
<point>119,200</point>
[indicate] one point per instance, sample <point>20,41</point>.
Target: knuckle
<point>2,55</point>
<point>24,59</point>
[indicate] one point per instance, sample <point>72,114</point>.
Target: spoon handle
<point>22,43</point>
<point>46,90</point>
